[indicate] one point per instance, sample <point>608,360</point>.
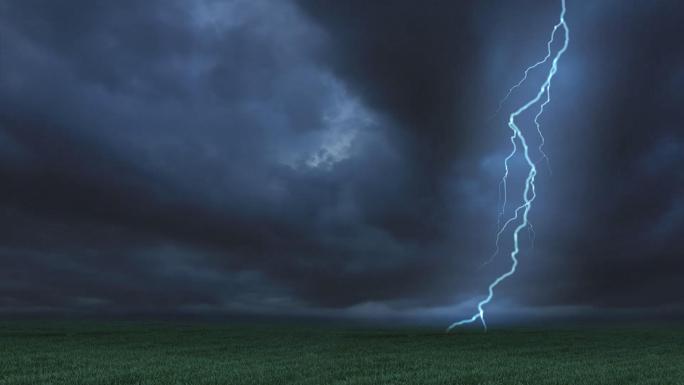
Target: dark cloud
<point>317,157</point>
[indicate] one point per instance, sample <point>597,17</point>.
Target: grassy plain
<point>74,353</point>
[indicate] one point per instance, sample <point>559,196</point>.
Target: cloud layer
<point>334,158</point>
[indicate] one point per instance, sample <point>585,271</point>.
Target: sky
<point>306,158</point>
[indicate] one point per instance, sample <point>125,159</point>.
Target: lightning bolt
<point>521,213</point>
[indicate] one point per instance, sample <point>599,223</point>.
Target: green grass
<point>157,353</point>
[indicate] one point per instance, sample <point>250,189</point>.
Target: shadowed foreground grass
<point>148,353</point>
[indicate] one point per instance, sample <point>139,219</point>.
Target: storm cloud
<point>335,158</point>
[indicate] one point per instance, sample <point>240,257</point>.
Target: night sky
<point>335,159</point>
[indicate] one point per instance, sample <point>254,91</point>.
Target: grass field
<point>38,353</point>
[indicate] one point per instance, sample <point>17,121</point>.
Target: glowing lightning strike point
<point>529,193</point>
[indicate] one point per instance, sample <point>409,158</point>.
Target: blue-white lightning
<point>521,213</point>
